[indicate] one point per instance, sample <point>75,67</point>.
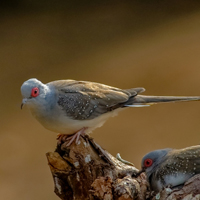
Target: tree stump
<point>86,171</point>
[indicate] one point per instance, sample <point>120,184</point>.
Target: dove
<point>171,167</point>
<point>75,108</point>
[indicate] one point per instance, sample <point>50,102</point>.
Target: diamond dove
<point>77,107</point>
<point>171,167</point>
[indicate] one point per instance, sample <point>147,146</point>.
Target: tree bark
<point>86,171</point>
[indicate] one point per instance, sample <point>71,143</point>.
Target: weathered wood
<point>190,191</point>
<point>86,171</point>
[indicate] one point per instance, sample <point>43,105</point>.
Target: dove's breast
<point>57,120</point>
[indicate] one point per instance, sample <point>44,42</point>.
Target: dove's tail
<point>142,100</point>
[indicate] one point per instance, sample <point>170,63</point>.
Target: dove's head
<point>33,92</point>
<point>152,160</point>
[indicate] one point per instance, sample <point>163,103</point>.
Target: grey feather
<point>83,100</point>
<point>161,99</point>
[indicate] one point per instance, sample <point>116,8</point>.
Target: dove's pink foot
<point>75,137</point>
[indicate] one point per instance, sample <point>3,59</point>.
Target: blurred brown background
<point>151,44</point>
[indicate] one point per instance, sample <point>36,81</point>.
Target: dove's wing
<point>83,100</point>
<point>189,158</point>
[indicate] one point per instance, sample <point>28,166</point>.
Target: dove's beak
<point>141,171</point>
<point>23,102</point>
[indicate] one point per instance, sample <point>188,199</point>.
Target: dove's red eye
<point>35,92</point>
<point>148,162</point>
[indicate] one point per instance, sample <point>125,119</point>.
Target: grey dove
<point>69,106</point>
<point>171,167</point>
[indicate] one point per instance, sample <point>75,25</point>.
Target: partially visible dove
<point>69,106</point>
<point>171,167</point>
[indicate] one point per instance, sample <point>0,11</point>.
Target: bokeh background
<point>151,44</point>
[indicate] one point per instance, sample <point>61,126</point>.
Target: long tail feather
<point>142,99</point>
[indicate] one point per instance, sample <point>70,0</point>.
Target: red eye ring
<point>35,92</point>
<point>148,162</point>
